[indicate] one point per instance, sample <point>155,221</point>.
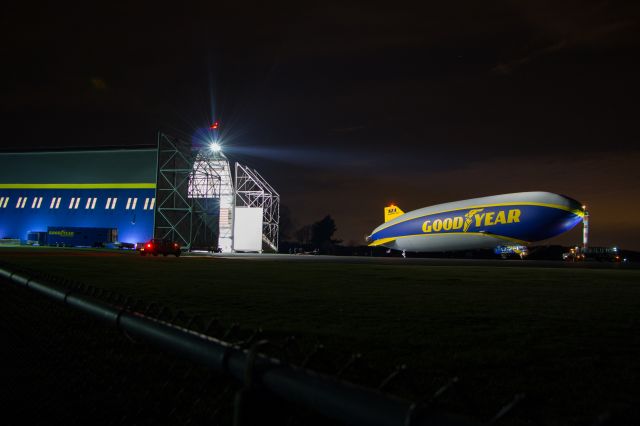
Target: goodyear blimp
<point>502,220</point>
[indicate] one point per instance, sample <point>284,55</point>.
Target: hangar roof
<point>79,166</point>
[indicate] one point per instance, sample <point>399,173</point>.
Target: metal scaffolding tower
<point>252,190</point>
<point>197,194</point>
<point>187,207</point>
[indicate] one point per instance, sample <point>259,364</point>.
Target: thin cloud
<point>509,67</point>
<point>589,38</point>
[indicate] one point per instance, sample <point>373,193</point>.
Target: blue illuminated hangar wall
<point>110,188</point>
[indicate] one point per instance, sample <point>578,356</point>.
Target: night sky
<point>346,107</point>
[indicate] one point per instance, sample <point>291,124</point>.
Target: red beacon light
<point>214,126</point>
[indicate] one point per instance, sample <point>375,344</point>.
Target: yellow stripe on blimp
<point>383,241</point>
<point>77,185</point>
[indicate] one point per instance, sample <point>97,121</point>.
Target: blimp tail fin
<point>392,212</point>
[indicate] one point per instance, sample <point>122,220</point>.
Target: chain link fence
<point>74,353</point>
<point>114,360</point>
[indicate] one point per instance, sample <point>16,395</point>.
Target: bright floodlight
<point>215,147</point>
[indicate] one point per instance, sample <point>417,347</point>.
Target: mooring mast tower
<point>206,201</point>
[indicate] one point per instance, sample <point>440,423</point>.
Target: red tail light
<point>148,245</point>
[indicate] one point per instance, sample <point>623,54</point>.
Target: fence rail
<point>329,396</point>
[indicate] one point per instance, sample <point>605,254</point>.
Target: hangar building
<point>196,197</point>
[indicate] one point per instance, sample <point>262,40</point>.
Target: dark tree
<point>303,235</point>
<point>322,231</point>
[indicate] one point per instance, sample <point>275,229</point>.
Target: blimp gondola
<point>507,220</point>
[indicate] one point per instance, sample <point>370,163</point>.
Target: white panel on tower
<point>247,229</point>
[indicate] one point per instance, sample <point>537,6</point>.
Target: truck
<point>73,236</point>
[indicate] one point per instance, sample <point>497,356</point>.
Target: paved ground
<point>418,261</point>
<point>374,260</point>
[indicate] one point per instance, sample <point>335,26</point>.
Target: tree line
<point>311,237</point>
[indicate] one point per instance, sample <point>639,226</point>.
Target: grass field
<point>568,338</point>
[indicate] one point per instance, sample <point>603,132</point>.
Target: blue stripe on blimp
<point>526,223</point>
<point>130,210</point>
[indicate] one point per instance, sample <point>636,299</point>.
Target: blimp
<point>508,220</point>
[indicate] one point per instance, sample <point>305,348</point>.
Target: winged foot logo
<point>468,218</point>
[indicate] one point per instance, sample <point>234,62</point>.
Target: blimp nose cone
<point>574,204</point>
